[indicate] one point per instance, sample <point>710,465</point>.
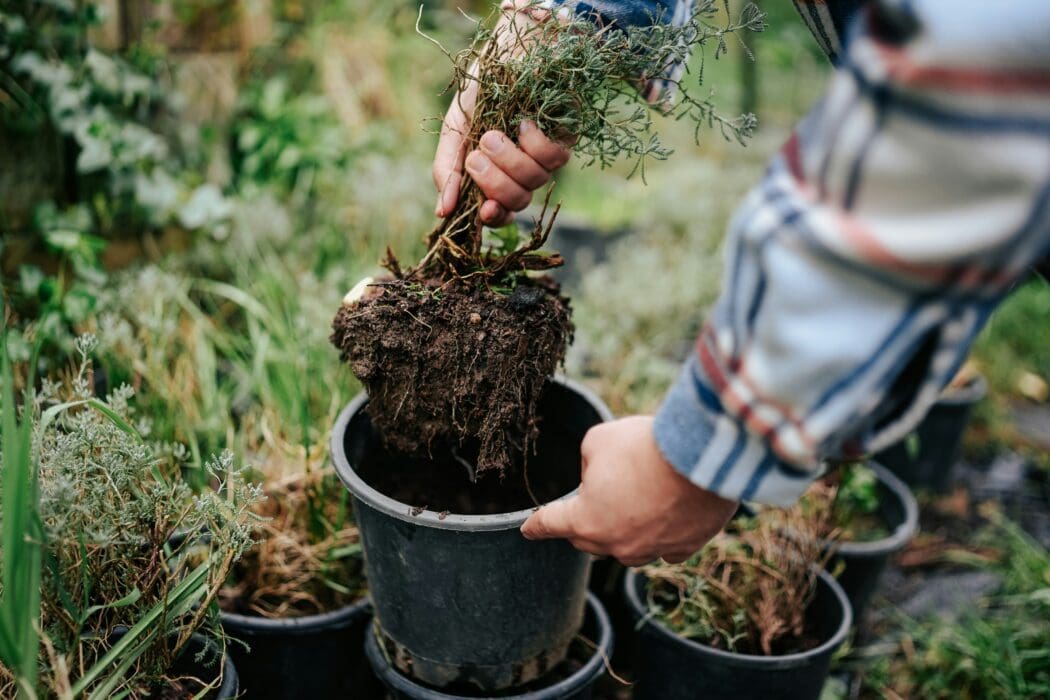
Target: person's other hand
<point>631,504</point>
<point>506,172</point>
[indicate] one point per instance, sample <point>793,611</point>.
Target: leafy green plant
<point>129,177</point>
<point>283,139</point>
<point>236,359</point>
<point>21,537</point>
<point>855,510</point>
<point>108,510</point>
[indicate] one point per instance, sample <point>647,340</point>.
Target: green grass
<point>1017,339</point>
<point>20,537</point>
<point>997,648</point>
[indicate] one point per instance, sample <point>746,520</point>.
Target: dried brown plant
<point>748,590</point>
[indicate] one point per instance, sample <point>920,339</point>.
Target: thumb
<point>554,520</point>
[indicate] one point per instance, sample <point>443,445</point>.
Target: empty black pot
<point>862,563</point>
<point>317,656</point>
<point>465,600</point>
<point>673,668</point>
<point>575,686</point>
<point>939,440</point>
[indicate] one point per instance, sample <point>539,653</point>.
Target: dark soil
<point>455,368</point>
<point>442,484</point>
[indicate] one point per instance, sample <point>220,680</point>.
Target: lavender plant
<point>403,338</point>
<point>577,78</point>
<point>108,510</point>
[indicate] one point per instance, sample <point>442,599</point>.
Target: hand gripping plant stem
<point>575,78</point>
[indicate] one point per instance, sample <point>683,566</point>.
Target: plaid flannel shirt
<point>898,215</point>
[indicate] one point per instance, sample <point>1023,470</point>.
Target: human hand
<point>631,504</point>
<point>506,172</point>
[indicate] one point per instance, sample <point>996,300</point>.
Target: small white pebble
<point>355,294</point>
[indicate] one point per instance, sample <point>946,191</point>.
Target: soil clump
<point>451,365</point>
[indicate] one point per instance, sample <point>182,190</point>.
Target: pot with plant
<point>925,458</point>
<point>109,606</point>
<point>873,515</point>
<point>221,361</point>
<point>463,432</point>
<point>295,605</point>
<point>753,615</point>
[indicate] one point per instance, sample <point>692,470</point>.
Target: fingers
<point>447,170</point>
<point>508,174</point>
<point>513,161</point>
<point>537,13</point>
<point>637,560</point>
<point>493,214</point>
<point>550,154</point>
<point>495,183</point>
<point>554,520</point>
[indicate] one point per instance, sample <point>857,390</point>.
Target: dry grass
<point>750,587</point>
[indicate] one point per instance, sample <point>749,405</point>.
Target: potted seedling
<point>873,515</point>
<point>120,611</point>
<point>463,432</point>
<point>753,615</point>
<point>925,458</point>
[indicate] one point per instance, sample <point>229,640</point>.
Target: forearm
<point>858,273</point>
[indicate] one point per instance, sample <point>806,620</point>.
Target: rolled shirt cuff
<point>716,452</point>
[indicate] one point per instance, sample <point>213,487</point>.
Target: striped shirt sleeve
<point>828,20</point>
<point>858,272</point>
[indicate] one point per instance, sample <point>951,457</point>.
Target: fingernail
<point>526,126</point>
<point>492,141</point>
<point>478,162</point>
<point>439,209</point>
<point>448,197</point>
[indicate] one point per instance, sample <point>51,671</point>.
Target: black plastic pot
<point>863,562</point>
<point>576,686</point>
<point>673,668</point>
<point>317,656</point>
<point>939,440</point>
<point>202,659</point>
<point>464,600</point>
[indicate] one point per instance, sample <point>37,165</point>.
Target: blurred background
<point>198,182</point>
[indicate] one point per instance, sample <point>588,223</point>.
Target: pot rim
<point>256,625</point>
<point>631,584</point>
<point>579,678</point>
<point>429,518</point>
<point>900,536</point>
<point>231,683</point>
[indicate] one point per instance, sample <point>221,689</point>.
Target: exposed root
<point>455,363</point>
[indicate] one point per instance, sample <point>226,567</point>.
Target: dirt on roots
<point>454,366</point>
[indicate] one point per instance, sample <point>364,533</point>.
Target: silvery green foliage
<point>109,506</point>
